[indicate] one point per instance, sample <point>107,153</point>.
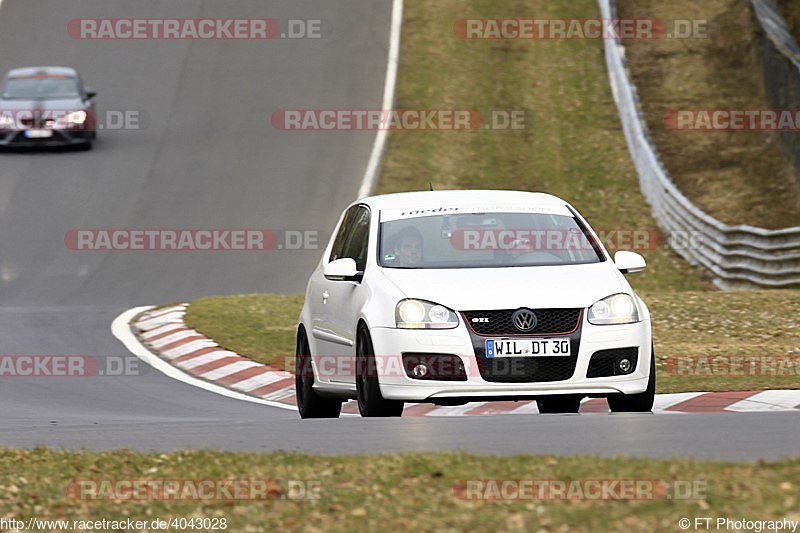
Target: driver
<point>408,247</point>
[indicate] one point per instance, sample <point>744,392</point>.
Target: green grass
<point>573,145</point>
<point>397,492</point>
<point>738,177</point>
<point>259,326</point>
<point>685,324</point>
<point>791,12</point>
<point>703,324</point>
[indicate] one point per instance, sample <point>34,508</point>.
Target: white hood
<point>464,289</point>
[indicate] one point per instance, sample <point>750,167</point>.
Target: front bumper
<point>458,341</point>
<point>17,139</point>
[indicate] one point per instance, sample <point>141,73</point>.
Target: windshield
<point>40,88</point>
<point>486,240</point>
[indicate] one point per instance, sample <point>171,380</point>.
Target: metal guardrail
<point>780,57</point>
<point>738,256</point>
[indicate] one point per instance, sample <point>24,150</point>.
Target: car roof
<point>42,71</point>
<point>446,198</point>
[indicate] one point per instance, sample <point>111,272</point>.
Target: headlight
<point>6,121</point>
<point>76,117</point>
<point>616,309</point>
<point>419,314</point>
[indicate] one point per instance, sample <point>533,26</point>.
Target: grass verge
<point>572,145</point>
<point>791,12</point>
<point>738,177</point>
<point>686,325</point>
<point>396,492</point>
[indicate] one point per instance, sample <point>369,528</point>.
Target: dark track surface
<point>209,158</point>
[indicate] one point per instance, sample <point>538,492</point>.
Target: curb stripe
<point>217,363</point>
<point>255,382</point>
<point>172,337</point>
<point>664,401</point>
<point>494,408</point>
<point>283,384</point>
<point>181,342</point>
<point>419,409</point>
<point>172,318</point>
<point>595,405</point>
<point>711,402</point>
<point>195,353</point>
<point>243,375</point>
<point>771,400</point>
<point>226,370</point>
<point>188,350</point>
<point>456,410</point>
<point>122,330</point>
<point>204,359</point>
<point>350,408</point>
<point>154,334</point>
<point>163,312</point>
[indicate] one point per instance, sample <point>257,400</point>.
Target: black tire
<point>85,147</point>
<point>559,404</point>
<point>637,403</point>
<point>371,402</point>
<point>309,403</point>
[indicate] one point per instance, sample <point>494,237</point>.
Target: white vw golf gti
<point>456,296</point>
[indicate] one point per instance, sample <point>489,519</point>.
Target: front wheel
<point>371,402</point>
<point>309,403</point>
<point>637,403</point>
<point>559,404</point>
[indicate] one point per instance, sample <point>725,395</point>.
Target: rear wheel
<point>309,403</point>
<point>371,402</point>
<point>558,404</point>
<point>637,403</point>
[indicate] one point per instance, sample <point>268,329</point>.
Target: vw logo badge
<point>524,320</point>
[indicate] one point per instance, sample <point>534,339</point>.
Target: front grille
<point>499,322</point>
<point>605,363</point>
<point>526,369</point>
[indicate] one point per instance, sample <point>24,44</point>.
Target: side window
<point>358,239</point>
<point>344,229</point>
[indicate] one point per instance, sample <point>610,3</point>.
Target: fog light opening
<point>420,370</point>
<point>625,365</point>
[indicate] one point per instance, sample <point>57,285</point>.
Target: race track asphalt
<point>206,156</point>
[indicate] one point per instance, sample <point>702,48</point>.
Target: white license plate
<point>38,134</point>
<point>528,348</point>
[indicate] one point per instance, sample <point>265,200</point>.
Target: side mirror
<point>629,262</point>
<point>341,270</point>
<point>90,93</point>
